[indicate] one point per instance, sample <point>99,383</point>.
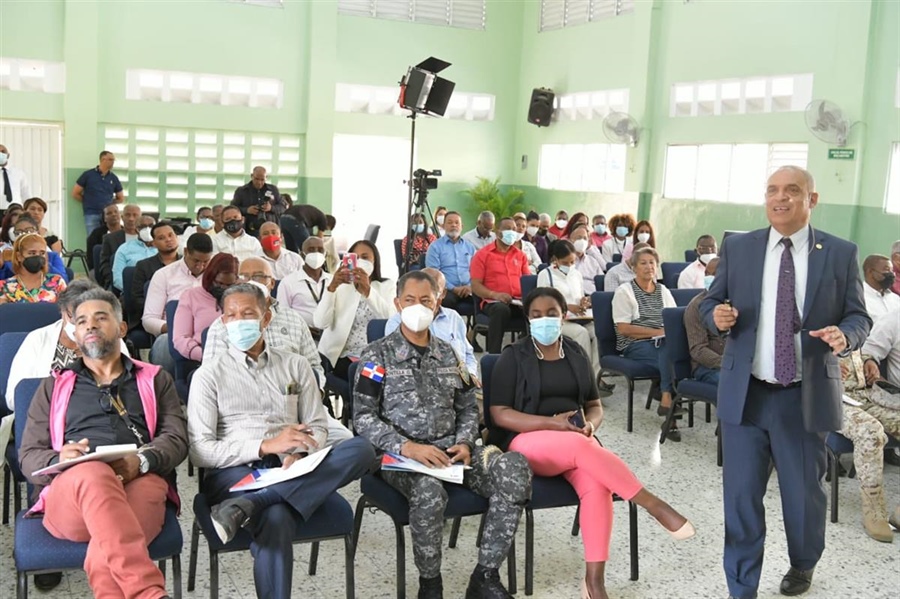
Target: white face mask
<point>706,258</point>
<point>440,219</point>
<point>69,328</point>
<point>366,265</point>
<point>4,158</point>
<point>531,231</point>
<point>417,317</point>
<point>561,223</point>
<point>581,245</point>
<point>145,235</point>
<point>13,235</point>
<point>315,260</point>
<point>643,237</point>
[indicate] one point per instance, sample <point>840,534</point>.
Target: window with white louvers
<point>464,14</point>
<point>556,14</point>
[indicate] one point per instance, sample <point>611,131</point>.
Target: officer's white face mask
<point>417,317</point>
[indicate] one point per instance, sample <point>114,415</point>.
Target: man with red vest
<point>106,398</point>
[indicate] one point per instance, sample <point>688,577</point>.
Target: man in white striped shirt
<point>259,407</point>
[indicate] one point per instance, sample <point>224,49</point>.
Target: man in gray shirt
<point>259,407</point>
<point>483,233</point>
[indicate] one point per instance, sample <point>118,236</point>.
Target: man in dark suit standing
<point>791,300</point>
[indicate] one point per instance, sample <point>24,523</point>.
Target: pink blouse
<point>196,310</point>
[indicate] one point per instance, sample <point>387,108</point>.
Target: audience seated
<point>117,508</point>
<point>558,228</point>
<point>895,266</point>
<point>884,344</point>
<point>200,306</point>
<point>167,284</point>
<point>25,225</point>
<point>167,244</point>
<point>495,272</point>
<point>705,347</point>
<point>694,274</point>
<point>643,233</point>
<point>218,225</point>
<point>538,385</point>
<point>9,219</point>
<point>578,323</point>
<point>878,280</point>
<point>133,251</point>
<point>421,241</point>
<point>112,222</point>
<point>452,255</point>
<point>232,239</point>
<point>637,313</point>
<point>621,227</point>
<point>131,215</point>
<point>205,224</point>
<point>282,260</point>
<point>440,214</point>
<point>483,233</point>
<point>544,227</point>
<point>31,282</point>
<point>255,406</point>
<point>600,232</point>
<point>351,300</point>
<point>422,376</point>
<point>303,290</point>
<point>532,230</point>
<point>620,273</point>
<point>578,219</point>
<point>37,209</point>
<point>589,261</point>
<point>534,259</point>
<point>446,325</point>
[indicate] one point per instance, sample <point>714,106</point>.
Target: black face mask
<point>887,281</point>
<point>217,291</point>
<point>233,226</point>
<point>34,264</point>
<point>542,231</point>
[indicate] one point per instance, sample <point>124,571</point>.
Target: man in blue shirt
<point>96,189</point>
<point>447,325</point>
<point>451,255</point>
<point>132,252</point>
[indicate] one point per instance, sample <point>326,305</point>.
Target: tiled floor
<point>685,474</point>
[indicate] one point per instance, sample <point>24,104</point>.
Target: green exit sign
<point>841,154</point>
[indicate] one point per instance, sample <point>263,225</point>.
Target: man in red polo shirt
<point>495,270</point>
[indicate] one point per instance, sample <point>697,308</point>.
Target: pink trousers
<point>595,473</point>
<point>88,504</point>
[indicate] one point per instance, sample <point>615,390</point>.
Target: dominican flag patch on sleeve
<point>371,379</point>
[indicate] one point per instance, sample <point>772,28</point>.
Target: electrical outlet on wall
<point>524,161</point>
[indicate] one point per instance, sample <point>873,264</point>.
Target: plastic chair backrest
<point>96,256</point>
<point>617,258</point>
<point>375,329</point>
<point>671,271</point>
<point>598,282</point>
<point>487,368</point>
<point>690,255</point>
<point>528,284</point>
<point>398,253</point>
<point>203,337</point>
<point>677,343</point>
<point>127,281</point>
<point>70,275</point>
<point>25,391</point>
<point>23,317</point>
<point>372,233</point>
<point>604,328</point>
<point>9,346</point>
<point>683,297</point>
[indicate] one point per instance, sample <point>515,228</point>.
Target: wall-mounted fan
<point>826,121</point>
<point>621,128</point>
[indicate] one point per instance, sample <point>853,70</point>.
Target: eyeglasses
<point>106,399</point>
<point>258,277</point>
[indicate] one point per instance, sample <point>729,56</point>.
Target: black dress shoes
<point>796,582</point>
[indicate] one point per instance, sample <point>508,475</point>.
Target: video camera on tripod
<point>422,182</point>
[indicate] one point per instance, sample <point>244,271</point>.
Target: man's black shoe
<point>431,588</point>
<point>485,584</point>
<point>230,516</point>
<point>796,582</point>
<point>47,581</point>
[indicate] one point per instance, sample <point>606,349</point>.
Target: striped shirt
<point>235,403</point>
<point>633,305</point>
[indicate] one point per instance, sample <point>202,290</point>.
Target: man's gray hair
<point>486,214</point>
<point>895,247</point>
<point>98,294</point>
<point>250,289</point>
<point>810,181</point>
<point>67,299</point>
<point>543,216</point>
<point>416,275</point>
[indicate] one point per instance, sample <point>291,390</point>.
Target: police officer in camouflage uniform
<point>866,425</point>
<point>414,397</point>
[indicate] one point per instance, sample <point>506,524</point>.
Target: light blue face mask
<point>243,334</point>
<point>509,237</point>
<point>546,330</point>
<point>621,231</point>
<point>708,281</point>
<point>207,223</point>
<point>419,228</point>
<point>600,229</point>
<point>564,268</point>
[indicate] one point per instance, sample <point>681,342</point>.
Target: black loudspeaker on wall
<point>541,108</point>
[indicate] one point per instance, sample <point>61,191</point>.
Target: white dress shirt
<point>692,276</point>
<point>302,293</point>
<point>167,284</point>
<point>884,342</point>
<point>287,263</point>
<point>571,285</point>
<point>764,357</point>
<point>18,182</point>
<point>877,303</point>
<point>243,246</point>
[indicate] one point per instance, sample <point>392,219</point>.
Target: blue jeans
<point>161,356</point>
<point>707,375</point>
<point>91,222</point>
<point>645,353</point>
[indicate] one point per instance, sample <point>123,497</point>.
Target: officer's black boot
<point>431,588</point>
<point>485,584</point>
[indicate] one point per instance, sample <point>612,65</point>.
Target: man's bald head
<point>313,244</point>
<point>258,270</point>
<point>439,278</point>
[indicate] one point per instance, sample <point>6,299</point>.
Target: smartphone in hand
<point>349,262</point>
<point>577,419</point>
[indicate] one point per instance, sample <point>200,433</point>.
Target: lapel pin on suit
<point>818,246</point>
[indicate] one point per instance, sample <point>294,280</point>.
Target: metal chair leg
<point>176,575</point>
<point>192,558</point>
<point>511,581</point>
<point>7,481</point>
<point>21,585</point>
<point>630,404</point>
<point>529,551</point>
<point>719,445</point>
<point>454,532</point>
<point>357,521</point>
<point>17,496</point>
<point>349,566</point>
<point>576,524</point>
<point>313,558</point>
<point>833,466</point>
<point>213,575</point>
<point>708,413</point>
<point>161,564</point>
<point>401,561</point>
<point>690,414</point>
<point>633,539</point>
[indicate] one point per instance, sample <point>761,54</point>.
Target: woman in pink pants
<point>544,404</point>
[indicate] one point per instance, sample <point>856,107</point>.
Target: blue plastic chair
<point>36,551</point>
<point>671,271</point>
<point>690,255</point>
<point>683,297</point>
<point>528,284</point>
<point>610,360</point>
<point>12,476</point>
<point>22,317</point>
<point>598,282</point>
<point>617,258</point>
<point>375,330</point>
<point>376,493</point>
<point>836,445</point>
<point>686,386</point>
<point>183,366</point>
<point>550,492</point>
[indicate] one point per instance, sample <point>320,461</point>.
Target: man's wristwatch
<point>145,463</point>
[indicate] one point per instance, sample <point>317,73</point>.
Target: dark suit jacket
<point>111,243</point>
<point>834,296</point>
<point>143,272</point>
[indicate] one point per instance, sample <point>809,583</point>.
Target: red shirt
<point>556,231</point>
<point>500,271</point>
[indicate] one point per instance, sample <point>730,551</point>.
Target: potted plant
<point>487,195</point>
